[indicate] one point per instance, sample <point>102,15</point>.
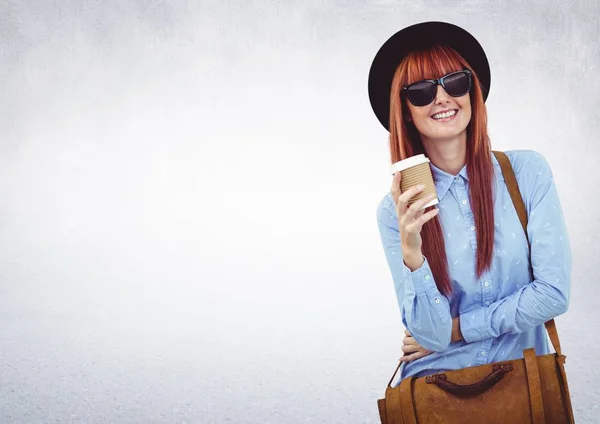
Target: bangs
<point>432,63</point>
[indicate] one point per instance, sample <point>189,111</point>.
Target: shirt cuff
<point>422,279</point>
<point>473,326</point>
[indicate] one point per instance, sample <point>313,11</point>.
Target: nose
<point>441,96</point>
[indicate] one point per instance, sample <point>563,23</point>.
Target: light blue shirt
<point>503,312</point>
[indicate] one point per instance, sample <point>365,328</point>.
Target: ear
<point>407,117</point>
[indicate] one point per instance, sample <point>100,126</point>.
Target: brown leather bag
<point>529,390</point>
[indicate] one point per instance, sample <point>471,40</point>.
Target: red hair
<point>405,142</point>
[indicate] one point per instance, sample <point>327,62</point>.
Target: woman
<point>461,270</point>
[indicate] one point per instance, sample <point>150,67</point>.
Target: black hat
<point>417,37</point>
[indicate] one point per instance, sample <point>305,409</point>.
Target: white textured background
<point>188,195</point>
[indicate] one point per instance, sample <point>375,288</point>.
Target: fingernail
<point>430,195</point>
<point>420,187</point>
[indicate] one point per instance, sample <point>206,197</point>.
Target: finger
<point>409,348</point>
<point>409,340</point>
<point>396,180</point>
<point>415,227</point>
<point>402,204</point>
<point>395,189</point>
<point>407,332</point>
<point>409,219</point>
<point>416,209</point>
<point>413,356</point>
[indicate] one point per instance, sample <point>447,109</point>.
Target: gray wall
<point>188,195</point>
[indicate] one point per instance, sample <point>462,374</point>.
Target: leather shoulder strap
<point>515,195</point>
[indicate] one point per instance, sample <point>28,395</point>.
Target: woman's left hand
<point>412,350</point>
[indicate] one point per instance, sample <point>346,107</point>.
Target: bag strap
<point>515,195</point>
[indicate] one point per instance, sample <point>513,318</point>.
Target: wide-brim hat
<point>417,37</point>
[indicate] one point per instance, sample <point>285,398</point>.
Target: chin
<point>444,135</point>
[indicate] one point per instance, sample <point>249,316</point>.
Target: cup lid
<point>408,162</point>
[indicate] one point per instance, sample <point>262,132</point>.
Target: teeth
<point>444,114</point>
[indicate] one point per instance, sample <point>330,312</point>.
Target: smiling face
<point>466,130</point>
<point>445,118</point>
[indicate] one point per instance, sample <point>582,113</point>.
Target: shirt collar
<point>443,180</point>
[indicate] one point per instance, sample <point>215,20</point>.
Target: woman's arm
<point>425,311</point>
<point>547,296</point>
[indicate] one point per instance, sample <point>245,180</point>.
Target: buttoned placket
<point>486,289</point>
<point>460,190</point>
<point>486,285</point>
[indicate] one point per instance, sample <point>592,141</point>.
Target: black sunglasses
<point>422,93</point>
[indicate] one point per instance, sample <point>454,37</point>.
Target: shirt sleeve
<point>425,311</point>
<point>547,296</point>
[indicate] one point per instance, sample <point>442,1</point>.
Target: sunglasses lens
<point>457,84</point>
<point>421,93</point>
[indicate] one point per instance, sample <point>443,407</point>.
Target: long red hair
<point>405,142</point>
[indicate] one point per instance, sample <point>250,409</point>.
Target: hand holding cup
<point>410,206</point>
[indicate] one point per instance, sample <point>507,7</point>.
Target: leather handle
<point>498,372</point>
<point>394,374</point>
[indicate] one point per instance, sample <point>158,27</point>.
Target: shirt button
<point>487,303</point>
<point>487,283</point>
<point>457,179</point>
<point>483,354</point>
<point>472,228</point>
<point>427,276</point>
<point>437,300</point>
<point>464,202</point>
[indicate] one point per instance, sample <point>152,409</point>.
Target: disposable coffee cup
<point>415,170</point>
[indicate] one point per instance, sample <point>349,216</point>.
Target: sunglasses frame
<point>439,81</point>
